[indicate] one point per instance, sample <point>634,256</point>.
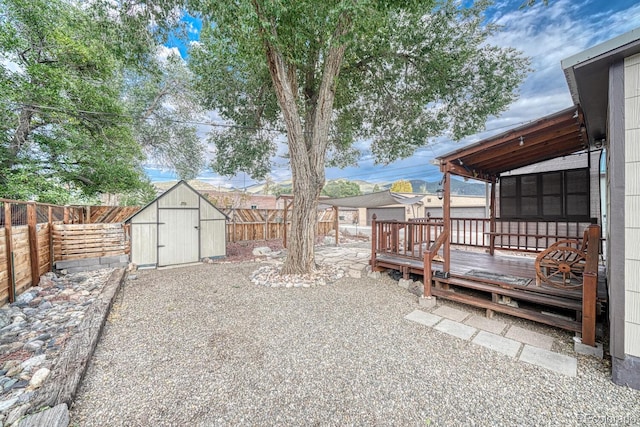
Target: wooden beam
<point>33,244</point>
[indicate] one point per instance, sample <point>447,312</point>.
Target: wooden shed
<point>178,227</point>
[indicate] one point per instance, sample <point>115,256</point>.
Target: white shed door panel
<point>178,236</point>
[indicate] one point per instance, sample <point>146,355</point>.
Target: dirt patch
<point>243,251</point>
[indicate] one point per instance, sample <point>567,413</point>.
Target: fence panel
<point>267,224</point>
<point>77,241</point>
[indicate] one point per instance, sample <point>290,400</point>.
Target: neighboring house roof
<point>195,184</point>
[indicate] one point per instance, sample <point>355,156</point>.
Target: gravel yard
<point>203,346</point>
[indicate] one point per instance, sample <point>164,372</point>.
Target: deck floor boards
<point>463,261</point>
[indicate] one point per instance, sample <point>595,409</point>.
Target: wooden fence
<point>28,242</point>
<point>35,235</point>
<point>78,241</point>
<point>268,224</point>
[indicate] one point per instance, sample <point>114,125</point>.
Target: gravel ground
<point>203,346</point>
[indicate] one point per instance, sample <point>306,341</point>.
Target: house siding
<point>632,204</point>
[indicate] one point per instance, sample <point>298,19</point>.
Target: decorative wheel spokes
<point>561,267</point>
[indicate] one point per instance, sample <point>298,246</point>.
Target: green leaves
<point>64,72</point>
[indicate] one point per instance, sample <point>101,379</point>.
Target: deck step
<point>548,300</point>
<point>536,316</point>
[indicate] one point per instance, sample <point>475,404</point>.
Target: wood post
<point>284,223</point>
<point>50,226</point>
<point>590,286</point>
<point>65,218</point>
<point>446,267</point>
<point>9,251</point>
<point>426,292</point>
<point>589,294</point>
<point>336,224</point>
<point>266,226</point>
<point>32,222</point>
<point>374,241</point>
<point>492,220</point>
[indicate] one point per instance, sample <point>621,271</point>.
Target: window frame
<point>515,199</point>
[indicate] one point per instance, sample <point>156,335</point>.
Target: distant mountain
<point>458,187</point>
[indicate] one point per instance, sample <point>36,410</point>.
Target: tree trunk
<point>22,131</point>
<point>307,141</point>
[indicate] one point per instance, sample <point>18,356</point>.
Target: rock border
<point>73,361</point>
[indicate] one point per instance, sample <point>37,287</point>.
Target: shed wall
<point>144,234</point>
<point>180,196</point>
<point>175,216</point>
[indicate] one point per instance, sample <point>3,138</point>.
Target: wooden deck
<point>501,282</point>
<point>504,293</point>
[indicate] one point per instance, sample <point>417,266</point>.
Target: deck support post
<point>590,286</point>
<point>446,266</point>
<point>492,218</point>
<point>374,242</point>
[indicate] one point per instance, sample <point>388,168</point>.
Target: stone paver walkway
<point>511,340</point>
<point>520,343</point>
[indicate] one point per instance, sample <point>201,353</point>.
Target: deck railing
<point>523,236</point>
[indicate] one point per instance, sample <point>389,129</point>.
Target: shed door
<point>178,236</point>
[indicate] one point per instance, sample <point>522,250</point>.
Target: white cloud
<point>546,34</point>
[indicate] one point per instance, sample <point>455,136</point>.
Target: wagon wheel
<point>561,267</point>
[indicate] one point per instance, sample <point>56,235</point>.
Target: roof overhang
<point>556,135</point>
<point>587,75</point>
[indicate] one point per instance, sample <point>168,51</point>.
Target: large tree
<point>61,122</point>
<point>164,108</point>
<point>330,73</point>
<point>82,94</point>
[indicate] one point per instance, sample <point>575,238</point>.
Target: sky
<point>546,34</point>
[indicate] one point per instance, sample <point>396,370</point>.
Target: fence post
<point>266,224</point>
<point>32,222</point>
<point>50,224</point>
<point>336,225</point>
<point>9,247</point>
<point>65,218</point>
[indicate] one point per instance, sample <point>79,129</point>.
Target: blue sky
<point>546,34</point>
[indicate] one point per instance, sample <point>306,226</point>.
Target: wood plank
<point>517,312</point>
<point>517,293</point>
<point>83,227</point>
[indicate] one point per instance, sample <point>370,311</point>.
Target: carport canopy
<point>372,200</point>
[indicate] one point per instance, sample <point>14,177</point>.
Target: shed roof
<point>555,135</point>
<point>179,183</point>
